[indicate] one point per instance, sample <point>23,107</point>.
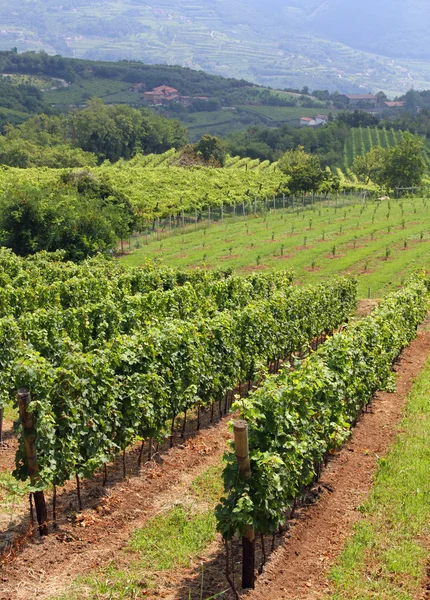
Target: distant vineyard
<point>169,159</point>
<point>158,188</point>
<point>362,139</point>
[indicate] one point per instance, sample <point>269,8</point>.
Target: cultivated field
<point>380,242</point>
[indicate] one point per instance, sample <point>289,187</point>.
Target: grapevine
<point>294,419</point>
<point>122,352</point>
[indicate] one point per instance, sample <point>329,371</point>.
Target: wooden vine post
<point>248,540</point>
<point>27,421</point>
<point>1,426</point>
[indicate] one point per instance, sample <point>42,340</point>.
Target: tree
<point>405,164</point>
<point>382,97</point>
<point>304,170</point>
<point>33,219</point>
<point>358,118</point>
<point>211,147</point>
<point>371,166</point>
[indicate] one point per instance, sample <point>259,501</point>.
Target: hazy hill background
<point>349,45</point>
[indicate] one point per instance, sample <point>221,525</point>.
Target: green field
<point>278,115</point>
<point>224,122</point>
<point>379,242</point>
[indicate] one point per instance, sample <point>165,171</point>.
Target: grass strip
<point>170,540</point>
<point>387,555</point>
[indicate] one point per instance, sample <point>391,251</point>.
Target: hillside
<point>36,82</point>
<point>278,44</point>
<point>392,28</point>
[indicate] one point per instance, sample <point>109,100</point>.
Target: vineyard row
<point>95,404</point>
<point>295,419</point>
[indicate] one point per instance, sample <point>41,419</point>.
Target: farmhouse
<point>161,94</point>
<point>308,121</point>
<point>321,119</point>
<point>396,104</point>
<point>365,100</point>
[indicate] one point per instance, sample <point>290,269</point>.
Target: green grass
<point>170,540</point>
<point>10,412</point>
<point>386,557</point>
<point>286,114</point>
<point>304,241</point>
<point>11,492</point>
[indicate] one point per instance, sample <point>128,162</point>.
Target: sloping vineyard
<point>157,188</point>
<point>121,353</point>
<point>296,418</point>
<point>362,139</point>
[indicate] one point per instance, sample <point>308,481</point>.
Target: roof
<point>393,104</point>
<point>321,117</point>
<point>360,96</point>
<point>165,89</point>
<point>307,119</point>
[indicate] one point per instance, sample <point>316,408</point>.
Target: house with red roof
<point>395,104</point>
<point>161,94</point>
<point>308,121</point>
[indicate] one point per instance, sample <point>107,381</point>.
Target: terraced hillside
<point>276,44</point>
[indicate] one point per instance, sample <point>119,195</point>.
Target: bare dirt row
<point>298,569</point>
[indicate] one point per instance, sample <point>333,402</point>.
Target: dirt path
<point>298,569</point>
<point>46,566</point>
<point>8,448</point>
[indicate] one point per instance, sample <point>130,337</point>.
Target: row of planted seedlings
<point>289,426</point>
<point>90,406</point>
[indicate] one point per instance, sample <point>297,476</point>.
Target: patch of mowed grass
<point>170,540</point>
<point>304,241</point>
<point>208,487</point>
<point>387,555</point>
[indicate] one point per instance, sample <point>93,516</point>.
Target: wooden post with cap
<point>27,421</point>
<point>248,540</point>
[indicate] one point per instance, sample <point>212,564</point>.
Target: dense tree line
<point>19,101</point>
<point>22,97</point>
<point>270,143</point>
<point>403,165</point>
<point>80,215</point>
<point>86,136</point>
